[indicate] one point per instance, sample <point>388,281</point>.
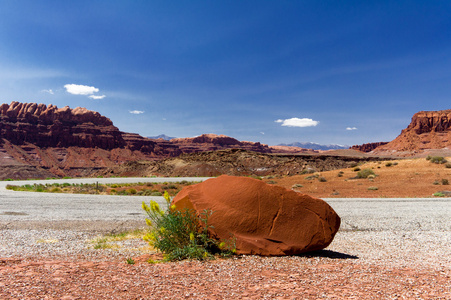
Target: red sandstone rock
<point>427,130</point>
<point>264,219</point>
<point>368,147</point>
<point>212,142</point>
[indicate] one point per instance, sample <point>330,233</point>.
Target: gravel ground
<point>385,249</point>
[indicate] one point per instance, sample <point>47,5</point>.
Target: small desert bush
<point>438,194</point>
<point>388,164</point>
<point>296,186</point>
<point>131,191</point>
<point>322,179</point>
<point>437,160</point>
<point>365,173</point>
<point>182,234</point>
<point>448,165</point>
<point>340,174</point>
<point>445,182</point>
<point>373,188</point>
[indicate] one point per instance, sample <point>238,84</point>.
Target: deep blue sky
<point>345,72</point>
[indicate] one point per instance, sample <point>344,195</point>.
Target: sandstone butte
<point>264,219</point>
<point>427,130</point>
<point>66,142</point>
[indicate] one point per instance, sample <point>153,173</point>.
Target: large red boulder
<point>264,219</point>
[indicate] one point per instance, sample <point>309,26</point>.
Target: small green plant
<point>182,234</point>
<point>437,160</point>
<point>365,173</point>
<point>373,188</point>
<point>271,182</point>
<point>296,186</point>
<point>322,179</point>
<point>436,182</point>
<point>130,261</point>
<point>131,191</point>
<point>438,194</point>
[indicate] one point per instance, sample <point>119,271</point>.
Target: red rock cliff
<point>50,126</point>
<point>427,130</point>
<point>210,142</point>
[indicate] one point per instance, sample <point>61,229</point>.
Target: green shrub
<point>438,194</point>
<point>437,160</point>
<point>55,190</point>
<point>156,193</point>
<point>182,234</point>
<point>365,173</point>
<point>296,186</point>
<point>322,179</point>
<point>131,191</point>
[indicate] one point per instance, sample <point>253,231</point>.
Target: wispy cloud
<point>50,91</point>
<point>297,122</point>
<point>136,112</point>
<point>351,128</point>
<point>95,97</point>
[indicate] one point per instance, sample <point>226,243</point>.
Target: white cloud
<point>95,97</point>
<point>351,128</point>
<point>296,122</point>
<point>261,132</point>
<point>50,91</point>
<point>77,89</point>
<point>136,112</point>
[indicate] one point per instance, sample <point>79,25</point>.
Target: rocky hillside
<point>77,142</point>
<point>427,130</point>
<point>236,162</point>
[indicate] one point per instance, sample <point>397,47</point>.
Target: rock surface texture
<point>211,142</point>
<point>427,130</point>
<point>264,219</point>
<point>368,147</point>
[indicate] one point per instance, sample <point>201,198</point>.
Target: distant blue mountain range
<point>315,146</point>
<point>161,136</point>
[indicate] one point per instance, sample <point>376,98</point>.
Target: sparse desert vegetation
<point>416,177</point>
<point>124,189</point>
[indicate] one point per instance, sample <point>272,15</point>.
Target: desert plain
<point>386,248</point>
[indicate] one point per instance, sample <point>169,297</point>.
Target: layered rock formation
<point>69,142</point>
<point>368,147</point>
<point>427,130</point>
<point>77,142</point>
<point>211,142</point>
<point>263,219</point>
<point>49,126</point>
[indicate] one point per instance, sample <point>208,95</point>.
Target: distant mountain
<point>161,136</point>
<point>315,146</point>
